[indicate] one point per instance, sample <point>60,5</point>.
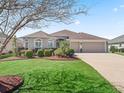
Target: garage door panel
<point>91,47</point>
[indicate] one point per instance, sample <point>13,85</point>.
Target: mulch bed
<point>13,58</point>
<point>10,83</point>
<point>61,58</point>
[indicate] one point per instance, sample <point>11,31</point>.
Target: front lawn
<point>46,76</point>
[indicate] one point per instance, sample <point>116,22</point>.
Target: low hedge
<point>6,56</point>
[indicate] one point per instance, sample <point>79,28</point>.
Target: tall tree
<point>16,14</point>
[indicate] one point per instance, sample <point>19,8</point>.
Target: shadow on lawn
<point>64,82</point>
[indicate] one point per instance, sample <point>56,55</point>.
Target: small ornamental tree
<point>64,45</point>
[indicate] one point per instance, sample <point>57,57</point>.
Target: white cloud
<point>115,9</point>
<point>121,6</point>
<point>77,22</point>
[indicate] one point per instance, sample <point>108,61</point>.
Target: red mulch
<point>13,59</point>
<point>10,83</point>
<point>61,58</point>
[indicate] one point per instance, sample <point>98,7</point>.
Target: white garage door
<point>93,47</point>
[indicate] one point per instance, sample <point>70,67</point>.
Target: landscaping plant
<point>29,53</point>
<point>40,53</point>
<point>113,49</point>
<point>70,52</point>
<point>58,52</point>
<point>64,45</point>
<point>47,52</point>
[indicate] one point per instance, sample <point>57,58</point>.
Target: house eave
<point>78,40</point>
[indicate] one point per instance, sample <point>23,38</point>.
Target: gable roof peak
<point>40,34</point>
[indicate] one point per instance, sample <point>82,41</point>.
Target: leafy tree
<point>17,14</point>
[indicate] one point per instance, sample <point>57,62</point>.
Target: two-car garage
<point>89,47</point>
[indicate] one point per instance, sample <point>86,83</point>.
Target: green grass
<point>46,76</point>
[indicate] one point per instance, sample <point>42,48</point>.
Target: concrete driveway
<point>110,66</point>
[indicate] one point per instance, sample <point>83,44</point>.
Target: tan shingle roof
<point>89,37</point>
<point>64,33</point>
<point>39,34</point>
<point>74,35</point>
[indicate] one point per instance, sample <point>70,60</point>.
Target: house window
<point>38,44</point>
<point>50,44</point>
<point>26,44</point>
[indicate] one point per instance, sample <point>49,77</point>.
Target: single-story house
<point>83,42</point>
<point>118,42</point>
<point>80,42</point>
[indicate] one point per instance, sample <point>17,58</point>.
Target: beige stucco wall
<point>75,46</point>
<point>31,42</point>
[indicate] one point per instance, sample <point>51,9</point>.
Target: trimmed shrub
<point>47,52</point>
<point>59,52</point>
<point>29,53</point>
<point>70,52</point>
<point>40,53</point>
<point>113,49</point>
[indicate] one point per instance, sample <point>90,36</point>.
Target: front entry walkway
<point>110,66</point>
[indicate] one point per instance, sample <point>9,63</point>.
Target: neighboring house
<point>118,42</point>
<point>39,40</point>
<point>9,45</point>
<point>80,42</point>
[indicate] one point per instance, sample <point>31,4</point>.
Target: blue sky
<point>105,18</point>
